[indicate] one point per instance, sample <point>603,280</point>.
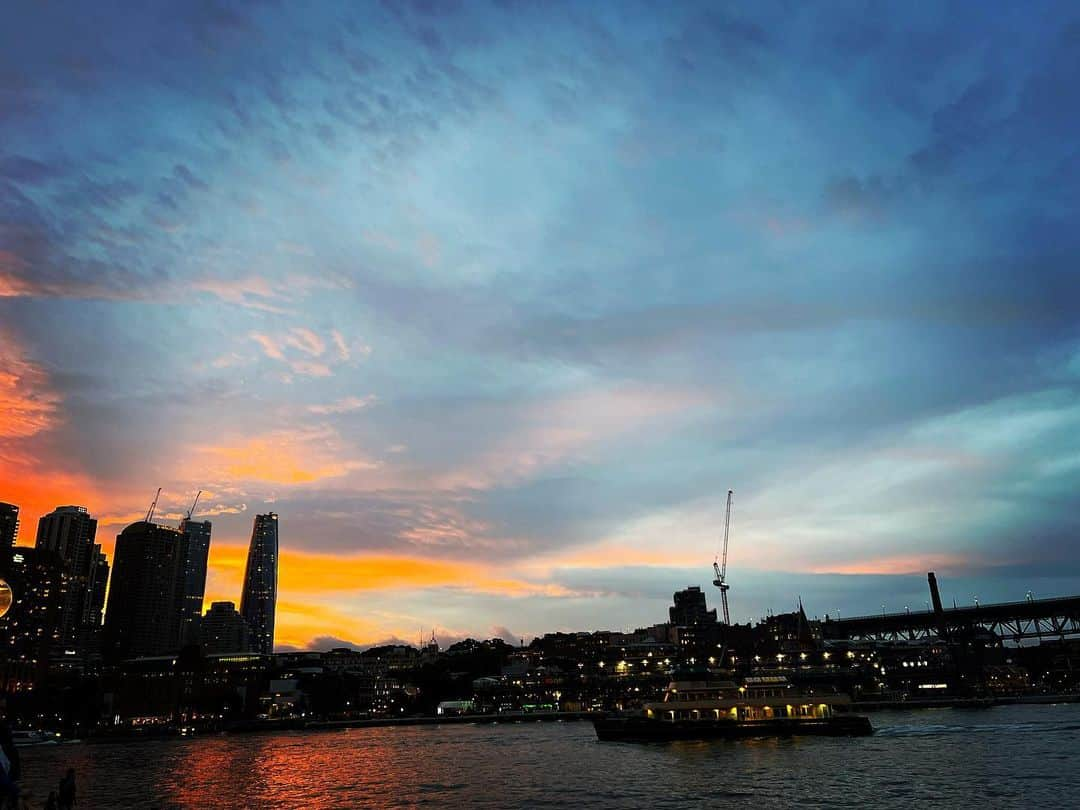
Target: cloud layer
<point>512,294</point>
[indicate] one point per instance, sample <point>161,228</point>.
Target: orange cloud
<point>283,457</point>
<point>269,345</point>
<point>309,345</point>
<point>11,284</point>
<point>258,292</point>
<point>27,403</point>
<point>306,340</point>
<point>252,291</point>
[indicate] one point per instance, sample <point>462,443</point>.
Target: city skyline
<point>493,308</point>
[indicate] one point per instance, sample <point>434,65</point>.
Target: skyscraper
<point>196,551</point>
<point>143,616</point>
<point>69,532</point>
<point>259,598</point>
<point>9,531</point>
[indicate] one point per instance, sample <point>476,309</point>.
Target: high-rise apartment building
<point>29,625</point>
<point>143,616</point>
<point>258,601</point>
<point>69,532</point>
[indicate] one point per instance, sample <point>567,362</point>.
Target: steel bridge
<point>1042,619</point>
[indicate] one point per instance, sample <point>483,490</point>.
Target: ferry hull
<point>641,729</point>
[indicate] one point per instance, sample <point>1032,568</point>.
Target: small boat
<point>760,707</point>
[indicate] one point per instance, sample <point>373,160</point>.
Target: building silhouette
<point>259,598</point>
<point>196,552</point>
<point>9,532</point>
<point>28,627</point>
<point>223,630</point>
<point>98,585</point>
<point>70,532</point>
<point>146,597</point>
<point>689,609</point>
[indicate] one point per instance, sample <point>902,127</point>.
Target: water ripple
<point>1006,756</point>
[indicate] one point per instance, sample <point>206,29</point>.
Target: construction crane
<point>191,511</point>
<point>720,563</point>
<point>153,506</point>
<point>196,503</point>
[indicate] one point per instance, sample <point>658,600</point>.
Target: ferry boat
<point>760,707</point>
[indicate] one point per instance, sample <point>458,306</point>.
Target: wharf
<point>376,722</point>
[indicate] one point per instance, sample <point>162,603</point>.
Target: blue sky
<point>520,290</point>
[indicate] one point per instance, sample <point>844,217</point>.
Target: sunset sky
<point>493,302</point>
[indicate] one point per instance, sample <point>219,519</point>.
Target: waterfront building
<point>223,630</point>
<point>9,531</point>
<point>69,532</point>
<point>143,617</point>
<point>258,601</point>
<point>30,623</point>
<point>196,552</point>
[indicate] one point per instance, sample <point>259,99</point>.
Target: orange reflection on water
<point>373,767</point>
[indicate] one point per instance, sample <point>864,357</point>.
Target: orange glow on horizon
<point>314,572</point>
<point>311,586</point>
<point>897,565</point>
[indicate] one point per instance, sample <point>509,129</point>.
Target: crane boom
<point>191,511</point>
<point>153,506</point>
<point>727,533</point>
<point>720,564</point>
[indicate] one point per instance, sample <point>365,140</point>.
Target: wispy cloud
<point>344,405</point>
<point>302,350</point>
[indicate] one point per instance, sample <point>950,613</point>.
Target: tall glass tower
<point>197,550</point>
<point>259,599</point>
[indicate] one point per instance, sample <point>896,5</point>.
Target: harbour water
<point>1006,756</point>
